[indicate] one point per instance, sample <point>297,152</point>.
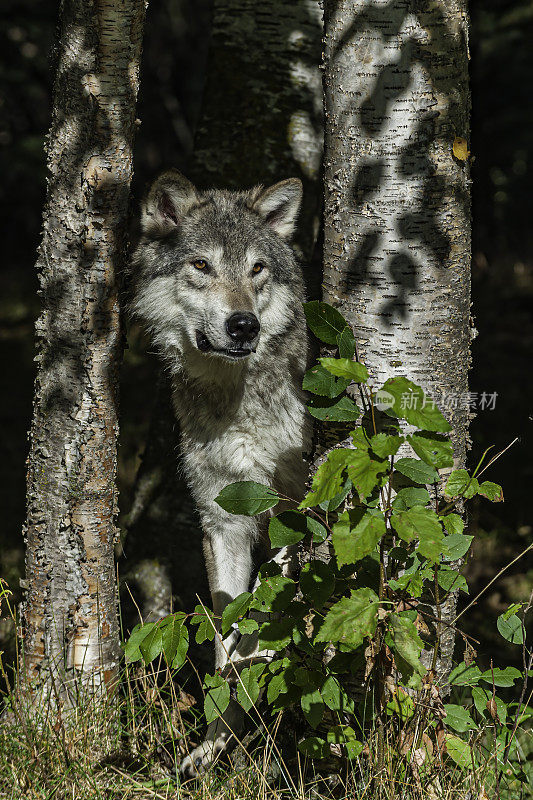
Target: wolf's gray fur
<point>210,268</point>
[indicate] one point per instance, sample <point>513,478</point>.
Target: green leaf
<point>456,546</point>
<point>181,650</point>
<point>235,611</point>
<point>313,707</point>
<point>385,445</point>
<point>511,628</point>
<point>422,524</point>
<point>152,645</point>
<point>319,381</point>
<point>331,694</point>
<point>458,718</point>
<point>434,449</point>
<point>410,496</point>
<point>334,696</point>
<point>276,686</point>
<point>205,622</point>
<point>412,583</point>
<point>430,545</point>
<point>363,472</point>
<point>514,608</point>
<point>460,484</point>
<point>247,498</point>
<point>403,639</point>
<point>276,634</point>
<point>345,368</point>
<point>314,747</point>
<point>248,689</point>
<point>291,527</point>
<point>340,734</point>
<point>492,491</point>
<point>334,503</point>
<point>308,679</point>
<point>360,439</point>
<point>453,524</point>
<point>351,619</point>
<point>217,697</point>
<point>345,735</point>
<point>416,470</point>
<point>273,594</point>
<point>339,409</point>
<point>411,404</point>
<point>502,677</point>
<point>481,696</point>
<point>451,581</point>
<point>356,534</point>
<point>354,748</point>
<point>138,634</point>
<point>317,582</point>
<point>459,751</point>
<point>346,343</point>
<point>325,321</point>
<point>283,683</point>
<point>463,675</point>
<point>401,704</point>
<point>328,481</point>
<point>412,523</point>
<point>318,531</point>
<point>175,640</point>
<point>247,626</point>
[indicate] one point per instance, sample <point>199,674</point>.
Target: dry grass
<point>129,746</point>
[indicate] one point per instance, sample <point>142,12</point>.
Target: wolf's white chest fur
<point>244,431</point>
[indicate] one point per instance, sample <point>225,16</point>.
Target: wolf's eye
<point>199,263</point>
<point>257,268</point>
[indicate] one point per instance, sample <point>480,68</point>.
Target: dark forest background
<point>174,66</point>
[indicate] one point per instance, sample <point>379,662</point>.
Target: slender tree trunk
<point>262,110</point>
<point>70,611</point>
<point>261,121</point>
<point>397,200</point>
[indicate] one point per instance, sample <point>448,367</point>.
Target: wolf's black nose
<point>242,326</point>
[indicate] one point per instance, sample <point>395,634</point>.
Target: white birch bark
<point>397,201</point>
<point>70,610</point>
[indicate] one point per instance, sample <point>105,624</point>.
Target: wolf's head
<point>214,274</point>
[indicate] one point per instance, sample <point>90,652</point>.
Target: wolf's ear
<point>169,199</point>
<point>279,205</point>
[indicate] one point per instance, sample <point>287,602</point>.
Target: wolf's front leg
<point>228,555</point>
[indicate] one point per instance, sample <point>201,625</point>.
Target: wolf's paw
<point>201,758</point>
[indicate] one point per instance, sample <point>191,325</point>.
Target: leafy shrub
<point>382,537</point>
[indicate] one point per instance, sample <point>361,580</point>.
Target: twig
<point>503,569</point>
<point>527,667</point>
<point>498,455</point>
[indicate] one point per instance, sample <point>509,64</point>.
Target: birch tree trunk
<point>261,121</point>
<point>70,610</point>
<point>397,201</point>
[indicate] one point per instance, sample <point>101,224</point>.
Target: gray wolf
<point>217,285</point>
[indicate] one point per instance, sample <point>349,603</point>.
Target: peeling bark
<point>70,609</point>
<point>397,201</point>
<point>261,122</point>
